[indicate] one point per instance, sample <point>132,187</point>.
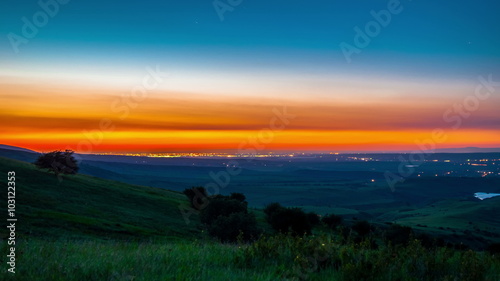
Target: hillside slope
<point>82,206</point>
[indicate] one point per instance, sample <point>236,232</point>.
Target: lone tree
<point>59,162</point>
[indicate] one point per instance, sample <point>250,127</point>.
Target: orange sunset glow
<point>98,118</point>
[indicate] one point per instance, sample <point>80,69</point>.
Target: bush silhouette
<point>332,221</point>
<point>225,217</point>
<point>313,218</point>
<point>494,248</point>
<point>58,162</point>
<point>221,207</point>
<point>363,228</point>
<point>398,235</point>
<point>238,196</point>
<point>234,227</point>
<point>197,196</point>
<point>272,208</point>
<point>292,220</point>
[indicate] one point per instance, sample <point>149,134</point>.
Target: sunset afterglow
<point>171,83</point>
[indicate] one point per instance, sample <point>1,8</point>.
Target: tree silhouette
<point>332,220</point>
<point>272,208</point>
<point>363,228</point>
<point>293,220</point>
<point>238,196</point>
<point>398,234</point>
<point>198,197</point>
<point>225,217</point>
<point>58,162</point>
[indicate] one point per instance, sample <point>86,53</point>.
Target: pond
<point>483,195</point>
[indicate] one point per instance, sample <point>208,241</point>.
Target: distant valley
<point>437,197</point>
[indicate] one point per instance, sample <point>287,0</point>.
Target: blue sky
<point>454,38</point>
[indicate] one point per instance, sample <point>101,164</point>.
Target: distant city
<point>435,164</point>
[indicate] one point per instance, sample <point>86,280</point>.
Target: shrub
<point>363,228</point>
<point>292,220</point>
<point>494,248</point>
<point>225,217</point>
<point>313,218</point>
<point>398,235</point>
<point>324,258</point>
<point>238,196</point>
<point>471,267</point>
<point>332,221</point>
<point>221,207</point>
<point>426,240</point>
<point>197,196</point>
<point>272,208</point>
<point>234,227</point>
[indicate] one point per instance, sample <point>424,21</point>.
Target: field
<point>443,206</point>
<point>80,206</point>
<point>280,258</point>
<point>86,228</point>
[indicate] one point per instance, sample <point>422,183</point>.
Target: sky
<point>240,75</point>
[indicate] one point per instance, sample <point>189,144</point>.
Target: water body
<point>482,195</point>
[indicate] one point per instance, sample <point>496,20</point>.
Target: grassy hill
<point>80,206</point>
<point>87,228</point>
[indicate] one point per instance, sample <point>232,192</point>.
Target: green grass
<point>327,257</point>
<point>271,258</point>
<point>81,207</point>
<point>109,260</point>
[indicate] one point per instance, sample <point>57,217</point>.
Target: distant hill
<point>468,150</point>
<point>10,147</point>
<point>82,206</point>
<point>25,155</point>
